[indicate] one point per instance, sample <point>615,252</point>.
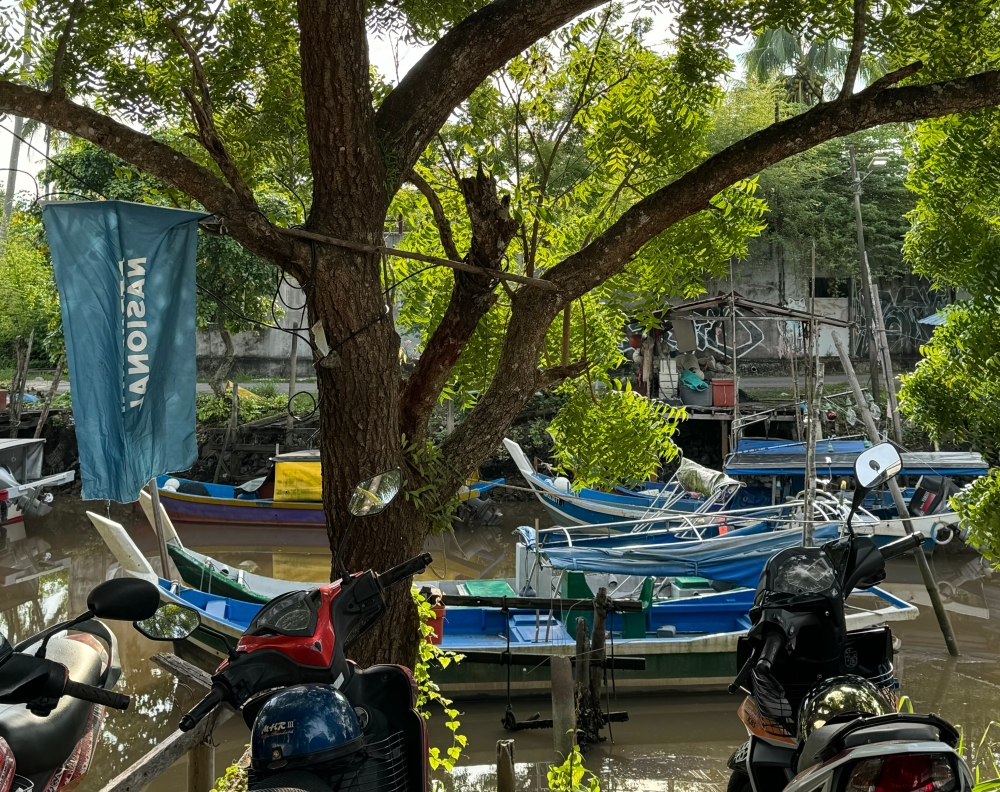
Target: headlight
<point>903,773</point>
<point>805,573</point>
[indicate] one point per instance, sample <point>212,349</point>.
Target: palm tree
<point>813,64</point>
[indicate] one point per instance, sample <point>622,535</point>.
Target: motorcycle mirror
<point>171,622</point>
<point>373,495</point>
<point>872,468</point>
<point>125,599</point>
<point>877,465</point>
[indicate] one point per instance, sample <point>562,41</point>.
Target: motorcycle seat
<point>41,744</point>
<point>817,743</point>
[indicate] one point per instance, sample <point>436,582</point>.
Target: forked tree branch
<point>456,65</point>
<point>440,216</point>
<point>204,118</point>
<point>857,50</point>
<point>472,296</point>
<point>249,227</point>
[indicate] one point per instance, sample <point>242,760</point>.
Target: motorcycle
<point>318,722</point>
<point>821,706</point>
<point>54,689</point>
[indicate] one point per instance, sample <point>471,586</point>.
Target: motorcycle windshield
<point>804,573</point>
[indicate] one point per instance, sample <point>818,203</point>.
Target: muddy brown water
<point>669,743</point>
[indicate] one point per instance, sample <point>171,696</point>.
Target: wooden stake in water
<point>897,496</point>
<point>50,396</point>
<point>154,494</point>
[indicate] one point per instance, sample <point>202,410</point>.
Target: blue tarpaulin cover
<point>126,279</point>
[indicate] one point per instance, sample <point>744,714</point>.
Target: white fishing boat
<point>23,489</point>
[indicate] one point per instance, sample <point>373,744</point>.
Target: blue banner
<point>126,279</point>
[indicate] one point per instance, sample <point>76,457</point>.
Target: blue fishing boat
<point>685,642</point>
<point>291,494</point>
<point>736,558</point>
<point>692,490</point>
<point>783,462</point>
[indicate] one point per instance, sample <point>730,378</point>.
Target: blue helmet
<point>305,725</point>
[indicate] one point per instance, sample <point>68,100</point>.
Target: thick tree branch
<point>160,160</point>
<point>452,69</point>
<point>60,55</point>
<point>205,119</point>
<point>472,296</point>
<point>549,378</point>
<point>533,310</point>
<point>440,218</point>
<point>857,49</point>
<point>340,122</point>
<point>876,105</point>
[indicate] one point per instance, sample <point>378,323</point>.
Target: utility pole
<point>866,279</point>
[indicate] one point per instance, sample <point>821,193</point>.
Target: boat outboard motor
<point>311,726</point>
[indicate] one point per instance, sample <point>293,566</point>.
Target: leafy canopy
<point>954,170</point>
<point>618,437</point>
<point>576,130</point>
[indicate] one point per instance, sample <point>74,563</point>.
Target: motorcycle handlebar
<point>772,645</point>
<point>407,569</point>
<point>904,545</point>
<point>215,697</point>
<point>96,695</point>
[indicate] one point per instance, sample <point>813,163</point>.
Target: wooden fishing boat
<point>684,642</point>
<point>290,494</point>
<point>203,572</point>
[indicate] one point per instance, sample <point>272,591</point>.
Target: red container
<point>723,393</point>
<point>438,624</point>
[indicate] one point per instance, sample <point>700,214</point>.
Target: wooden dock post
<point>201,767</point>
<point>563,705</point>
<point>292,375</point>
<point>506,779</point>
<point>897,496</point>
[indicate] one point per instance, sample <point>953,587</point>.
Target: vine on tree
<point>428,690</point>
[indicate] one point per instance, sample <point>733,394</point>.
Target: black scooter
<point>54,688</point>
<point>821,706</point>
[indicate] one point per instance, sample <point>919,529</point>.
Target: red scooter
<point>54,689</point>
<point>319,722</point>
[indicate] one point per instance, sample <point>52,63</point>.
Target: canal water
<point>669,743</point>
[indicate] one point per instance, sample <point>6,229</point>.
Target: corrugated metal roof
<point>935,320</point>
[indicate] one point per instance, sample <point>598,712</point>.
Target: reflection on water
<point>669,743</point>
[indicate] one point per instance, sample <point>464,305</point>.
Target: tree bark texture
<point>359,156</point>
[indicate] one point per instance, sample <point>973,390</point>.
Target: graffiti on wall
<point>713,332</point>
<point>903,306</point>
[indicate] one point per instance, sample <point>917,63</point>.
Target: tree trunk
<point>218,380</point>
<point>359,387</point>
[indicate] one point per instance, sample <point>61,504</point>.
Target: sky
<point>391,57</point>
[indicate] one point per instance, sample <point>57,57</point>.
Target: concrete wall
<point>265,352</point>
<point>778,280</point>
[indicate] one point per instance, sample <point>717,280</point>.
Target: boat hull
<point>196,508</point>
